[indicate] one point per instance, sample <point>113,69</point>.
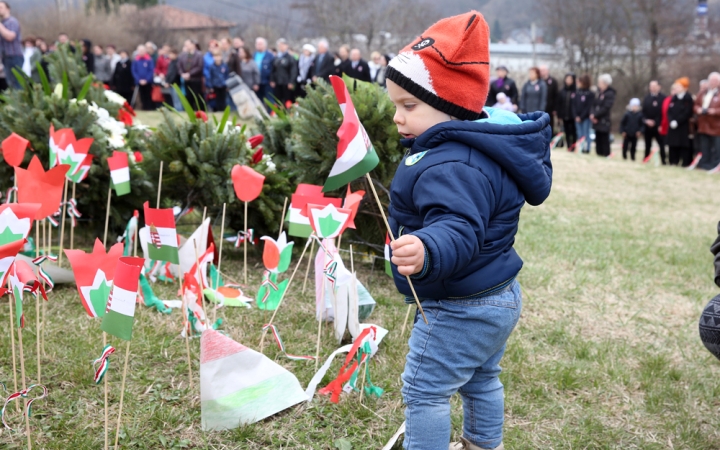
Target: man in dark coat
<point>190,67</point>
<point>502,84</point>
<point>264,61</point>
<point>600,116</point>
<point>652,112</point>
<point>324,64</point>
<point>123,81</point>
<point>284,74</point>
<point>552,94</point>
<point>358,68</point>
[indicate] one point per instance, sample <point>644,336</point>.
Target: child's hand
<point>408,254</point>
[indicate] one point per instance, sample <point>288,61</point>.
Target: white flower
<point>58,91</point>
<point>271,168</point>
<point>137,125</point>
<point>82,102</point>
<point>116,141</point>
<point>114,97</point>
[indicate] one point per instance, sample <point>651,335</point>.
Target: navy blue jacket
<point>218,76</point>
<point>266,68</point>
<point>463,198</point>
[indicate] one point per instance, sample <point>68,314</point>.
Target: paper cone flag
<point>37,186</point>
<point>8,252</point>
<point>297,216</point>
<point>94,273</point>
<point>356,155</point>
<point>83,170</point>
<point>239,386</point>
<point>248,184</point>
<point>66,149</point>
<point>16,221</point>
<point>201,273</point>
<point>163,245</point>
<point>270,292</point>
<point>13,149</point>
<point>277,254</point>
<point>352,202</point>
<point>120,172</point>
<point>388,264</point>
<point>328,222</point>
<point>120,311</point>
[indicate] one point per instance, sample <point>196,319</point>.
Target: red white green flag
<point>94,273</point>
<point>356,155</point>
<point>120,312</point>
<point>16,221</point>
<point>65,148</point>
<point>163,245</point>
<point>8,252</point>
<point>119,172</point>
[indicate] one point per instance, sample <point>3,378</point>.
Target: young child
<point>216,82</point>
<point>503,102</point>
<point>456,201</point>
<point>632,126</point>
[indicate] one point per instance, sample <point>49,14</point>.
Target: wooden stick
<point>135,240</point>
<point>24,385</point>
<point>245,245</point>
<point>310,261</point>
<point>407,316</point>
<point>204,215</point>
<point>222,239</point>
<point>282,218</point>
<point>282,297</point>
<point>231,279</point>
<point>105,380</point>
<point>72,228</point>
<point>352,261</point>
<point>157,204</point>
<point>12,342</point>
<point>320,321</point>
<point>188,328</point>
<point>38,336</point>
<point>62,224</point>
<point>107,216</point>
<point>197,264</point>
<point>122,393</point>
<point>392,238</point>
<point>46,243</point>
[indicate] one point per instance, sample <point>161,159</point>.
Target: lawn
<point>606,354</point>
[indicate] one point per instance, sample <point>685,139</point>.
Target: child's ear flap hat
<point>448,66</point>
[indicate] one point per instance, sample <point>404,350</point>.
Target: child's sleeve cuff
<point>426,265</point>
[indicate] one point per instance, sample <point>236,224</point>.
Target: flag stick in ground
<point>392,237</point>
<point>282,297</point>
<point>204,215</point>
<point>24,385</point>
<point>222,238</point>
<point>72,228</point>
<point>62,224</point>
<point>12,342</point>
<point>310,260</point>
<point>186,327</point>
<point>245,245</point>
<point>105,380</point>
<point>407,317</point>
<point>107,215</point>
<point>157,204</point>
<point>122,393</point>
<point>197,264</point>
<point>282,218</point>
<point>37,339</point>
<point>46,242</point>
<point>320,321</point>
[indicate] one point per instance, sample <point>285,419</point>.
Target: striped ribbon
<point>23,394</point>
<point>42,258</point>
<point>9,192</point>
<point>104,363</point>
<point>243,235</point>
<point>281,346</point>
<point>73,212</point>
<point>54,222</point>
<point>268,283</point>
<point>41,271</point>
<point>370,389</point>
<point>330,272</point>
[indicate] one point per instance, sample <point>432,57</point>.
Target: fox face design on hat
<point>448,66</point>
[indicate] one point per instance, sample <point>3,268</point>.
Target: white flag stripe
<point>168,236</point>
<point>297,217</point>
<point>120,175</point>
<point>122,301</point>
<point>354,153</point>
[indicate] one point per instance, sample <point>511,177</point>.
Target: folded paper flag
<point>16,221</point>
<point>66,149</point>
<point>35,185</point>
<point>297,216</point>
<point>120,312</point>
<point>13,149</point>
<point>240,386</point>
<point>8,252</point>
<point>163,245</point>
<point>120,172</point>
<point>94,273</point>
<point>328,222</point>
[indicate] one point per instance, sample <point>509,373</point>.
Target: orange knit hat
<point>448,66</point>
<point>684,82</point>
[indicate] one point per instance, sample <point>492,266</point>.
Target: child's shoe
<point>464,444</point>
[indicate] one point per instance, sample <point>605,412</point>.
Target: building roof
<point>175,18</point>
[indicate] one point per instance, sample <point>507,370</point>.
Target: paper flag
<point>94,274</point>
<point>328,222</point>
<point>225,296</point>
<point>240,386</point>
<point>352,202</point>
<point>388,263</point>
<point>248,183</point>
<point>120,311</point>
<point>356,155</point>
<point>120,172</point>
<point>277,254</point>
<point>8,252</point>
<point>16,221</point>
<point>202,236</point>
<point>163,245</point>
<point>17,288</point>
<point>270,292</point>
<point>83,170</point>
<point>37,186</point>
<point>128,238</point>
<point>13,149</point>
<point>297,216</point>
<point>200,274</point>
<point>66,149</point>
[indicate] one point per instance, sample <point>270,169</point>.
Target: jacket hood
<point>522,150</point>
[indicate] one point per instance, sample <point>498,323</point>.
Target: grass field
<point>606,354</point>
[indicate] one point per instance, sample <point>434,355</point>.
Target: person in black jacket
<point>582,107</point>
<point>357,68</point>
<point>631,127</point>
<point>600,116</point>
<point>652,112</point>
<point>552,89</point>
<point>324,63</point>
<point>565,111</point>
<point>87,56</point>
<point>679,113</point>
<point>502,84</point>
<point>123,79</point>
<point>284,74</point>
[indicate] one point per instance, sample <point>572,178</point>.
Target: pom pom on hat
<point>448,66</point>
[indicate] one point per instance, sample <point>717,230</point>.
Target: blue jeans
<point>11,62</point>
<point>583,130</point>
<point>459,350</point>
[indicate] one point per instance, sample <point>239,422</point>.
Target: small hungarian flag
<point>8,252</point>
<point>356,155</point>
<point>388,266</point>
<point>120,172</point>
<point>297,219</point>
<point>94,273</point>
<point>163,245</point>
<point>120,312</point>
<point>16,221</point>
<point>17,288</point>
<point>65,148</point>
<point>328,222</point>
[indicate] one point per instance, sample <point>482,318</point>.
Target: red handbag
<point>157,95</point>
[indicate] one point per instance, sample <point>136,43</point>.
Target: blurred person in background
<point>103,67</point>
